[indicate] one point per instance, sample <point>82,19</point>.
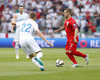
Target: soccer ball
<point>59,63</point>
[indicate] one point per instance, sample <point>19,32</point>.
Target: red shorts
<point>71,46</point>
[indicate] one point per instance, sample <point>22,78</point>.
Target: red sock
<point>77,53</point>
<point>71,57</point>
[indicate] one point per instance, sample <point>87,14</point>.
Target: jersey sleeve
<point>15,14</point>
<point>74,25</point>
<point>27,16</point>
<point>17,24</point>
<point>36,27</point>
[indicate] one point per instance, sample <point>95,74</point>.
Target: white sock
<point>36,63</point>
<point>17,48</point>
<point>39,55</point>
<point>27,56</point>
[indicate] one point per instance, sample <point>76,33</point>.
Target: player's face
<point>20,9</point>
<point>65,13</point>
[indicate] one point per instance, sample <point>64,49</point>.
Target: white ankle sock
<point>17,48</point>
<point>39,55</point>
<point>36,63</point>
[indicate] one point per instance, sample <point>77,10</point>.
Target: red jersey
<point>70,26</point>
<point>93,28</point>
<point>88,17</point>
<point>90,24</point>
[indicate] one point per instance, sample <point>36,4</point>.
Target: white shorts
<point>29,46</point>
<point>17,34</point>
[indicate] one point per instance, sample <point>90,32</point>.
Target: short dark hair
<point>32,15</point>
<point>68,10</point>
<point>20,5</point>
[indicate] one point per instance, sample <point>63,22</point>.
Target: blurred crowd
<point>50,14</point>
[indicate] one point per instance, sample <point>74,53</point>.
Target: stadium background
<point>50,17</point>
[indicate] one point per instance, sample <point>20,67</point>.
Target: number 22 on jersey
<point>25,27</point>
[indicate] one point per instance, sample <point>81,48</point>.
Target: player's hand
<point>75,41</point>
<point>56,31</point>
<point>15,16</point>
<point>50,44</point>
<point>12,31</point>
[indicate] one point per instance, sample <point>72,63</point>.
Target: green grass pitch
<point>24,69</point>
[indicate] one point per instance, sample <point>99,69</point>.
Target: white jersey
<point>26,28</point>
<point>20,17</point>
<point>27,42</point>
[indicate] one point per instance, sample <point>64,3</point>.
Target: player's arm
<point>42,36</point>
<point>62,28</point>
<point>13,22</point>
<point>12,28</point>
<point>75,35</point>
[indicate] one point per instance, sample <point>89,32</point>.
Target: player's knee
<point>70,51</point>
<point>67,52</point>
<point>17,44</point>
<point>16,48</point>
<point>31,55</point>
<point>39,55</point>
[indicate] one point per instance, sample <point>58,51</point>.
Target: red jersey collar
<point>69,18</point>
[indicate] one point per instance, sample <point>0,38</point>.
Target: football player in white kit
<point>27,42</point>
<point>21,16</point>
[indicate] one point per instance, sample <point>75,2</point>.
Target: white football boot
<point>27,57</point>
<point>87,59</point>
<point>75,65</point>
<point>17,56</point>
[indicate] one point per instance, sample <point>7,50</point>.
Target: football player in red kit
<point>72,38</point>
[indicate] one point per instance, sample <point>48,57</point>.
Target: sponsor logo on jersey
<point>75,25</point>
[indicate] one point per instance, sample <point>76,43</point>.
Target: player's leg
<point>71,57</point>
<point>16,39</point>
<point>77,53</point>
<point>75,64</point>
<point>73,47</point>
<point>17,50</point>
<point>27,57</point>
<point>87,59</point>
<point>34,47</point>
<point>37,61</point>
<point>69,48</point>
<point>39,54</point>
<point>85,56</point>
